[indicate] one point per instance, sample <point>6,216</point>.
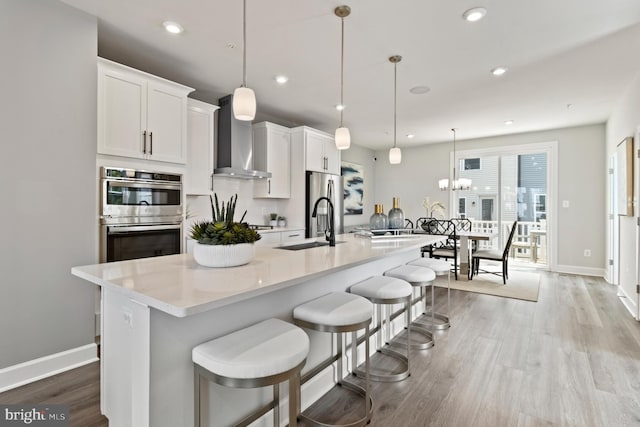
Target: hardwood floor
<point>571,359</point>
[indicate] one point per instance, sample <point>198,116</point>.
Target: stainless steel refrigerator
<point>323,185</point>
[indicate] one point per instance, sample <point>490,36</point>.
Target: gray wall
<point>48,130</point>
<point>581,180</point>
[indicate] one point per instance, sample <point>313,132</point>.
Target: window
<point>462,207</point>
<point>471,164</point>
<point>487,209</point>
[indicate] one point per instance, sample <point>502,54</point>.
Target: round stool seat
<point>412,274</point>
<point>335,309</point>
<point>381,287</point>
<point>267,348</point>
<point>437,265</point>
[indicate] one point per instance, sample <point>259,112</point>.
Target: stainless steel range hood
<point>234,157</point>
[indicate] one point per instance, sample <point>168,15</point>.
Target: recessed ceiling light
<point>340,107</point>
<point>282,79</point>
<point>498,71</point>
<point>410,136</point>
<point>475,14</point>
<point>172,27</point>
<point>508,122</point>
<point>419,90</point>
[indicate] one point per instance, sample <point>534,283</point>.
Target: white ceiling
<point>569,61</point>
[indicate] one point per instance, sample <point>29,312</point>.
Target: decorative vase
<point>396,216</point>
<point>282,223</point>
<point>223,255</point>
<point>273,223</point>
<point>378,220</point>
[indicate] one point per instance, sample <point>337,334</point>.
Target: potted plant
<point>223,242</point>
<point>274,219</point>
<point>282,221</point>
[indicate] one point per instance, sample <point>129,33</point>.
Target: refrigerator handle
<point>330,190</point>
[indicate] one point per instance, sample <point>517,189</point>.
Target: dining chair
<point>495,255</point>
<point>447,249</point>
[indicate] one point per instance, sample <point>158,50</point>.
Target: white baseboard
<point>584,271</point>
<point>629,303</point>
<point>37,369</point>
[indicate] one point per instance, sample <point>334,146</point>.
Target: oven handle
<point>120,229</point>
<point>144,185</point>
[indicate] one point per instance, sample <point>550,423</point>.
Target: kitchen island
<point>155,310</point>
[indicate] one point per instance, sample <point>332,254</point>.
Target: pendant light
<point>456,184</point>
<point>244,100</point>
<point>395,155</point>
<point>343,137</point>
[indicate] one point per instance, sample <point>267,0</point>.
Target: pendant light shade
<point>244,100</point>
<point>343,137</point>
<point>244,104</point>
<point>395,155</point>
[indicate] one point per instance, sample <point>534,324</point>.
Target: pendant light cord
<point>454,157</point>
<point>342,73</point>
<point>395,100</point>
<point>244,43</point>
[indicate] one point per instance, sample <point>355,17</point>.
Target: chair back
<point>441,227</point>
<point>461,224</point>
<point>505,254</point>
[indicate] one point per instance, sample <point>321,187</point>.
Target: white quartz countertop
<point>177,285</point>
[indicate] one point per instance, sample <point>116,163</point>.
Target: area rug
<point>522,285</point>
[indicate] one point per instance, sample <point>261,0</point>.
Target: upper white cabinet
<point>200,157</point>
<point>141,115</point>
<point>321,152</point>
<point>272,153</point>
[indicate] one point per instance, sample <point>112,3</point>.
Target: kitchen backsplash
<point>258,210</point>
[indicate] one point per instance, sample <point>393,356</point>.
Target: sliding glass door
<point>508,184</point>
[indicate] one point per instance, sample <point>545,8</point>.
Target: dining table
<point>466,254</point>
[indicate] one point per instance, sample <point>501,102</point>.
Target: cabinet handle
<point>268,186</point>
<point>151,143</point>
<point>144,140</point>
<point>294,235</point>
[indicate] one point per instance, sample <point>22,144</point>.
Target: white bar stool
<point>386,291</point>
<point>441,268</point>
<point>339,312</point>
<point>267,353</point>
<point>421,277</point>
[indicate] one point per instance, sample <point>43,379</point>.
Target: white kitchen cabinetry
<point>321,152</point>
<point>292,235</point>
<point>200,157</point>
<point>140,115</point>
<point>277,238</point>
<point>272,153</point>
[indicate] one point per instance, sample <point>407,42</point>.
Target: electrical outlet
<point>565,204</point>
<point>587,252</point>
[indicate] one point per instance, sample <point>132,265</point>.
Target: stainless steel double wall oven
<point>140,214</point>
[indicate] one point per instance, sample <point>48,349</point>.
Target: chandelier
<point>457,183</point>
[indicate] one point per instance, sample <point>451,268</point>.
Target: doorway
<point>512,183</point>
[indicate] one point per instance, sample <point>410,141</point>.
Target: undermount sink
<point>307,245</point>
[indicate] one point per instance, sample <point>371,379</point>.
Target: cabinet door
<point>272,152</point>
<point>332,155</point>
<point>279,163</point>
<point>200,157</point>
<point>166,124</point>
<point>121,113</point>
<point>315,159</point>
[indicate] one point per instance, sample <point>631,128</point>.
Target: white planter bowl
<point>223,255</point>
